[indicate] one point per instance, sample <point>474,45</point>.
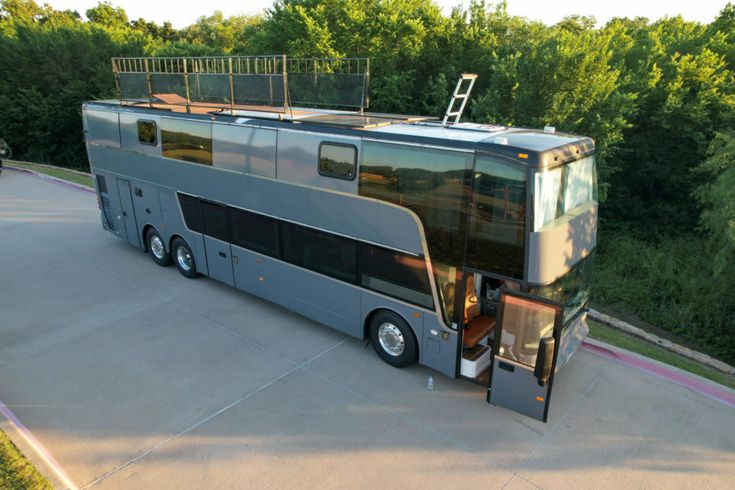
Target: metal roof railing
<point>267,83</point>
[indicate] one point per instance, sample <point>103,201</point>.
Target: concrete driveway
<point>132,376</point>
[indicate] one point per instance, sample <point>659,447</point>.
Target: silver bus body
<point>271,168</point>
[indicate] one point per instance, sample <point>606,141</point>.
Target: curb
<point>48,165</point>
<point>50,178</point>
<point>710,389</point>
<point>664,343</point>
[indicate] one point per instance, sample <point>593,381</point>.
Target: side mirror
<point>544,360</point>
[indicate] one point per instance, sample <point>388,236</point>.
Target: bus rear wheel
<point>393,339</point>
<point>156,248</point>
<point>184,258</point>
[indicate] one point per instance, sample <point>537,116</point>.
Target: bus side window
<point>214,219</point>
<point>192,213</point>
<point>396,274</point>
<point>321,252</point>
<point>147,132</point>
<point>254,232</point>
<point>337,160</point>
<point>189,141</point>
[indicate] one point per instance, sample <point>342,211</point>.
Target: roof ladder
<point>461,96</point>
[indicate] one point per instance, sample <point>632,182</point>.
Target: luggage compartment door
<point>524,354</point>
<point>219,260</point>
<point>127,212</point>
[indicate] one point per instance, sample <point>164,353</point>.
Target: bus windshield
<point>562,189</point>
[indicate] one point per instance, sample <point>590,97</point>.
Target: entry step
<point>475,361</point>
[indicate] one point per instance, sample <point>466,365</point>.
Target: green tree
<point>105,14</point>
<point>684,94</point>
<point>51,65</point>
<point>564,77</point>
<point>221,34</point>
<point>717,197</point>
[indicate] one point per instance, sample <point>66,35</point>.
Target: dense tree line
<point>657,97</point>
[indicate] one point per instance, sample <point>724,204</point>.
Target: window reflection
<point>562,189</point>
<point>572,289</point>
<point>433,183</point>
<point>187,140</point>
<point>147,132</point>
<point>337,161</point>
<point>496,229</point>
<point>396,274</point>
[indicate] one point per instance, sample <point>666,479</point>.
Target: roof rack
<point>242,83</point>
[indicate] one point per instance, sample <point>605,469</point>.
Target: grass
<point>61,173</point>
<point>623,340</point>
<point>16,472</point>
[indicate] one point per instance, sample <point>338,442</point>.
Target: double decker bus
<point>463,247</point>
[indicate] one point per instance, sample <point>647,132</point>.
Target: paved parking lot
<point>132,376</point>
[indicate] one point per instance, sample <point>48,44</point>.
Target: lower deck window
<point>214,218</point>
<point>192,213</point>
<point>254,232</point>
<point>395,274</point>
<point>328,254</point>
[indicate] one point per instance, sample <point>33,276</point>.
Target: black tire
<point>183,257</point>
<point>393,324</point>
<point>157,248</point>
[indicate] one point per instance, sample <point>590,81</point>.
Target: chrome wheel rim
<point>391,339</point>
<point>183,257</point>
<point>157,247</point>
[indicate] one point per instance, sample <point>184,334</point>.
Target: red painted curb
<point>706,389</point>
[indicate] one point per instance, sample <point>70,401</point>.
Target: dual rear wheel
<point>180,253</point>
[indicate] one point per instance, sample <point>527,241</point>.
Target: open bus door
<point>527,336</point>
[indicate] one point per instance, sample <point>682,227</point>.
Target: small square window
<point>147,132</point>
<point>337,160</point>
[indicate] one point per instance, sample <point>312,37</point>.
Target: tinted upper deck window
<point>190,141</point>
<point>147,132</point>
<point>497,221</point>
<point>337,160</point>
<point>433,183</point>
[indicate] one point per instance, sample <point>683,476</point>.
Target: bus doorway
<point>523,360</point>
<point>478,314</point>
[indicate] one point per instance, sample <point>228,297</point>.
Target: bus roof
<point>533,147</point>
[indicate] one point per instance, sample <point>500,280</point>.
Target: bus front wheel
<point>184,258</point>
<point>393,339</point>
